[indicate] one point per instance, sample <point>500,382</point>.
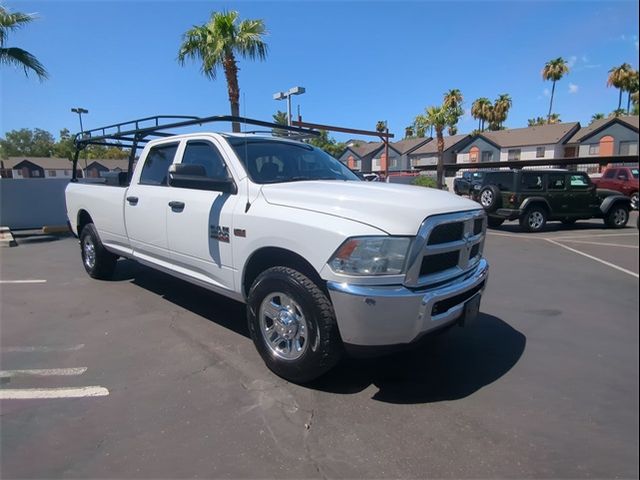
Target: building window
<point>628,148</point>
<point>514,155</point>
<point>35,173</point>
<point>594,149</point>
<point>487,156</point>
<point>52,173</point>
<point>67,173</point>
<point>539,152</point>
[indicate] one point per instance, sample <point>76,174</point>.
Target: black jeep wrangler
<point>536,196</point>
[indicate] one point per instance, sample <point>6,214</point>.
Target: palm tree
<point>554,118</point>
<point>501,108</point>
<point>619,78</point>
<point>632,87</point>
<point>218,42</point>
<point>452,130</point>
<point>281,119</point>
<point>18,57</point>
<point>537,121</point>
<point>408,132</point>
<point>453,99</point>
<point>439,118</point>
<point>381,126</point>
<point>554,70</point>
<point>479,110</point>
<point>596,116</point>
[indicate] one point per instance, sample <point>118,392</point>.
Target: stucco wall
<point>617,131</point>
<point>483,145</point>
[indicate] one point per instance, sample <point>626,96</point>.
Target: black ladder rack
<point>135,134</point>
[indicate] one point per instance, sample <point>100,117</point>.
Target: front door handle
<point>176,206</point>
<point>132,200</point>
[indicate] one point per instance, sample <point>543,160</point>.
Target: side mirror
<point>195,177</point>
<point>621,177</point>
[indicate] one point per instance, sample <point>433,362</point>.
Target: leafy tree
<point>554,70</point>
<point>27,143</point>
<point>328,144</point>
<point>596,116</point>
<point>554,118</point>
<point>440,117</point>
<point>619,78</point>
<point>425,181</point>
<point>218,42</point>
<point>452,130</point>
<point>14,56</point>
<point>281,119</point>
<point>64,147</point>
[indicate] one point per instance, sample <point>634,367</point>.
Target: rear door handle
<point>132,200</point>
<point>176,206</point>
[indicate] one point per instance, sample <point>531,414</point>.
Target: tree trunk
<point>553,91</point>
<point>479,123</point>
<point>231,73</point>
<point>620,99</point>
<point>629,102</point>
<point>440,166</point>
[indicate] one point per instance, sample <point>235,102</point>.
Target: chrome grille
<point>447,246</point>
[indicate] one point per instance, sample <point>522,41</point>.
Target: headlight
<point>371,256</point>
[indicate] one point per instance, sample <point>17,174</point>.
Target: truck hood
<point>395,209</point>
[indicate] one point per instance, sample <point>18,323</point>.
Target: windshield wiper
<point>303,178</point>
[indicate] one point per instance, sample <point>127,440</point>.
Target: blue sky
<point>359,61</point>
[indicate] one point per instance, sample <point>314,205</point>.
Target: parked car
<point>371,177</point>
<point>464,185</point>
<point>620,179</point>
<point>536,196</point>
<point>325,262</point>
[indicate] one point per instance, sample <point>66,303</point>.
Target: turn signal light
<point>512,199</point>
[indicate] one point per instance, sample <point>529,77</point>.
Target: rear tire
<point>617,216</point>
<point>293,325</point>
<point>634,201</point>
<point>97,260</point>
<point>534,219</point>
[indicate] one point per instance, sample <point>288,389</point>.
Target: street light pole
<point>287,95</point>
<point>80,111</point>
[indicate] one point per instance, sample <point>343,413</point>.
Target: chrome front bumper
<point>370,315</point>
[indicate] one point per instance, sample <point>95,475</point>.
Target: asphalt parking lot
<point>544,384</point>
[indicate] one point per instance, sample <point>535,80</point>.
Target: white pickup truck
<point>325,262</point>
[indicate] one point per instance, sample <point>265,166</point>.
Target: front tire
<point>97,260</point>
<point>634,201</point>
<point>534,219</point>
<point>293,325</point>
<point>617,216</point>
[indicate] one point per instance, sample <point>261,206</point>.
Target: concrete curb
<point>6,238</point>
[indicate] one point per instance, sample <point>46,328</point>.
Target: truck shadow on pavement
<point>447,366</point>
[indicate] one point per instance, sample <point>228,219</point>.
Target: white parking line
<point>69,348</point>
<point>591,235</point>
<point>616,267</point>
<point>42,372</point>
<point>600,243</point>
<point>34,393</point>
<point>23,281</point>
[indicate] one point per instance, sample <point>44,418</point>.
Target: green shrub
<point>425,181</point>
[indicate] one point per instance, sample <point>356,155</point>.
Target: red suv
<point>621,179</point>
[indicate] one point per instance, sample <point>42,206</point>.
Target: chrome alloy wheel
<point>283,326</point>
<point>536,219</point>
<point>486,198</point>
<point>634,201</point>
<point>89,252</point>
<point>620,217</point>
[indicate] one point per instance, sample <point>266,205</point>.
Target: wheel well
<point>538,203</point>
<point>268,257</point>
<point>83,219</point>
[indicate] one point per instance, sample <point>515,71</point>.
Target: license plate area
<point>471,310</point>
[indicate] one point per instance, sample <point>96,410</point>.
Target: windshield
<point>273,161</point>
